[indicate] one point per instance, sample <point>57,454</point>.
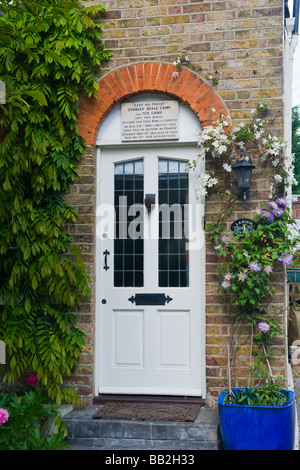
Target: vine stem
<point>251,355</point>
<point>229,369</point>
<point>268,363</point>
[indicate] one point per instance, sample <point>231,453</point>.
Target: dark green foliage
<point>28,426</point>
<point>264,245</point>
<point>50,51</point>
<point>246,265</point>
<point>269,394</point>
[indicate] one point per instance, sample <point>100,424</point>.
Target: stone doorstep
<point>85,431</point>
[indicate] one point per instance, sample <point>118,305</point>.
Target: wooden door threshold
<point>101,399</point>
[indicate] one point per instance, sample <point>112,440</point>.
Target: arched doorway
<point>150,289</point>
<point>156,77</point>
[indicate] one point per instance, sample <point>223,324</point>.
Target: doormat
<point>148,411</point>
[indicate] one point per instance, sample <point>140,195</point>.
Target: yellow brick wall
<point>240,42</point>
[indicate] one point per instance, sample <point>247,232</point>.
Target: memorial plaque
<point>157,120</point>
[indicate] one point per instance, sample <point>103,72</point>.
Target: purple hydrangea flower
<point>242,276</point>
<point>285,258</point>
<point>269,216</point>
<point>281,202</point>
<point>228,276</point>
<point>226,238</point>
<point>253,265</point>
<point>273,205</point>
<point>258,211</point>
<point>263,326</point>
<point>268,269</point>
<point>226,284</point>
<point>279,212</point>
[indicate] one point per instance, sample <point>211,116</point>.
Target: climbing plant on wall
<point>296,146</point>
<point>246,259</point>
<point>50,51</point>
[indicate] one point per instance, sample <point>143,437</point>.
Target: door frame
<point>99,294</point>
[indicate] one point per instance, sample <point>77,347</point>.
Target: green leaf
<point>27,305</point>
<point>38,96</point>
<point>35,363</point>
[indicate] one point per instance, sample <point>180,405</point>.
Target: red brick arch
<point>131,80</point>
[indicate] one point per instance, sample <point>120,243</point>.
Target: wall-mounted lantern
<point>243,172</point>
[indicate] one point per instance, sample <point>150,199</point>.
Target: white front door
<point>150,271</point>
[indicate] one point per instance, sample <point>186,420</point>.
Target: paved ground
<point>185,445</point>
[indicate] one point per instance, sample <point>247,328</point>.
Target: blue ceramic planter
<point>253,427</point>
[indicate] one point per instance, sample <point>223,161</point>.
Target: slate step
<point>84,432</point>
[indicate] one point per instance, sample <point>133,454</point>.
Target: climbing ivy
<point>50,51</point>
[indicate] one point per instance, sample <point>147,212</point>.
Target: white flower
<point>204,181</point>
<point>222,148</point>
<point>278,178</point>
<point>227,167</point>
<point>271,191</point>
<point>213,110</point>
<point>200,192</point>
<point>203,178</point>
<point>175,74</point>
<point>213,182</point>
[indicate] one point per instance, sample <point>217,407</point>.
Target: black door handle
<point>106,253</point>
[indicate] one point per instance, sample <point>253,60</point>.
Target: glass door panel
<point>128,242</point>
<point>173,184</point>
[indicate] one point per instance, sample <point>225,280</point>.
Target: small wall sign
<point>239,226</point>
